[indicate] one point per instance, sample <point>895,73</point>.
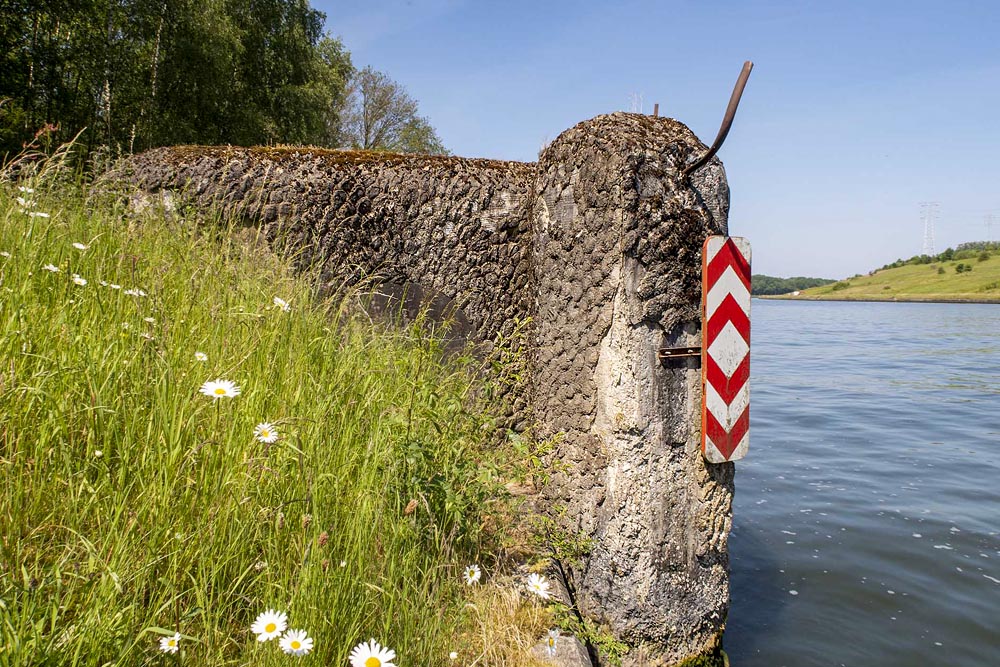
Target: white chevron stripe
<point>728,283</point>
<point>744,246</point>
<point>713,247</point>
<point>741,449</point>
<point>727,415</point>
<point>712,453</point>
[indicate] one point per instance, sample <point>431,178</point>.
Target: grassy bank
<point>973,278</point>
<point>134,506</point>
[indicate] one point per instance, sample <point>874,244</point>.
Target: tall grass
<point>132,506</point>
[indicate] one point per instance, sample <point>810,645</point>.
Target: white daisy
<point>200,356</point>
<point>265,432</point>
<point>37,214</point>
<point>170,644</point>
<point>538,585</point>
<point>26,190</point>
<point>150,320</point>
<point>453,655</point>
<point>51,267</point>
<point>269,625</point>
<point>80,246</point>
<point>134,292</point>
<point>371,654</point>
<point>551,641</point>
<point>219,388</point>
<point>472,574</point>
<point>113,286</point>
<point>5,254</point>
<point>78,280</point>
<point>296,642</point>
<point>281,303</point>
<point>27,203</point>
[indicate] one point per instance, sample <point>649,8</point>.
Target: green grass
<point>921,282</point>
<point>133,506</point>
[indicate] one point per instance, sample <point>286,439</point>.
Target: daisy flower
<point>281,303</point>
<point>170,644</point>
<point>371,654</point>
<point>538,585</point>
<point>26,190</point>
<point>27,203</point>
<point>219,388</point>
<point>4,254</point>
<point>51,267</point>
<point>200,356</point>
<point>269,625</point>
<point>37,214</point>
<point>551,641</point>
<point>453,655</point>
<point>79,280</point>
<point>296,642</point>
<point>149,320</point>
<point>472,574</point>
<point>265,432</point>
<point>134,292</point>
<point>80,246</point>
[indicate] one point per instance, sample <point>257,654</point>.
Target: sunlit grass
<point>135,505</point>
<point>927,282</point>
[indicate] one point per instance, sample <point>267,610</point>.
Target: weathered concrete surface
<point>618,237</point>
<point>442,226</point>
<point>599,243</point>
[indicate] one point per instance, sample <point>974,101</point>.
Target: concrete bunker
<point>598,243</point>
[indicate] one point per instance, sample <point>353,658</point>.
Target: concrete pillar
<point>617,242</point>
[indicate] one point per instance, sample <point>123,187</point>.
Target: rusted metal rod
<point>727,121</point>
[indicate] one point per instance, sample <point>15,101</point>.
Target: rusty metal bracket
<point>727,121</point>
<point>665,353</point>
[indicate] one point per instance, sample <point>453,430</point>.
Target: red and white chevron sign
<point>725,356</point>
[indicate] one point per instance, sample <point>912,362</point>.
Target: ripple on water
<point>873,434</point>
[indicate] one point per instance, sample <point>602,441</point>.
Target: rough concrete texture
<point>600,243</point>
<point>618,235</point>
<point>445,229</point>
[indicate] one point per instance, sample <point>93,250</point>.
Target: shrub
<point>940,270</point>
<point>841,285</point>
<point>984,255</point>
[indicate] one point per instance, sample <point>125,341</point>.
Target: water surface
<point>867,514</point>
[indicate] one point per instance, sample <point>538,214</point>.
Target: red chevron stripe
<point>727,388</point>
<point>726,442</point>
<point>728,311</point>
<point>728,255</point>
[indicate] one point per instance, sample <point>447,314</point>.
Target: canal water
<point>867,514</point>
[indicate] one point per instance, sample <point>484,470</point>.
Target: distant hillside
<point>969,273</point>
<point>761,284</point>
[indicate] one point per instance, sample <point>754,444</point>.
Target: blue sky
<point>855,112</point>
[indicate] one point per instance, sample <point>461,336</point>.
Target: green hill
<point>971,273</point>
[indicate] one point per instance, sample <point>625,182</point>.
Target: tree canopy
<point>380,115</point>
<point>144,73</point>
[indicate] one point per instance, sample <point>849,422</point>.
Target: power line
<point>928,213</point>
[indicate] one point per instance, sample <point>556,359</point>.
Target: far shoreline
<point>873,299</point>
